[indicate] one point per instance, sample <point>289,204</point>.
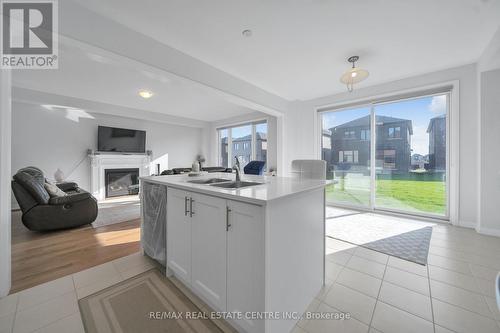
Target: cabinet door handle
<point>186,211</point>
<point>228,225</point>
<point>191,212</point>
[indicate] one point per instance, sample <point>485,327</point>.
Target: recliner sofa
<point>41,212</point>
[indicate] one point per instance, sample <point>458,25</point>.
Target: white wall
<point>300,133</point>
<point>5,198</point>
<point>52,139</point>
<point>490,152</point>
<point>490,59</point>
<point>488,104</point>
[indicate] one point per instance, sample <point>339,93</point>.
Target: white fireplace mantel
<point>101,162</point>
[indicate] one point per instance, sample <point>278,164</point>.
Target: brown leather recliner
<point>43,213</point>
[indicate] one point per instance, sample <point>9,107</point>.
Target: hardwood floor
<point>41,257</point>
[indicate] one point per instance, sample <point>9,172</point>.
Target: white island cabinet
<point>255,252</point>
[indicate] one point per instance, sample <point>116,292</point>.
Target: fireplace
<point>120,182</point>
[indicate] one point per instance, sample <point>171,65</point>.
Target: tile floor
<point>383,294</point>
<point>53,306</point>
<point>453,293</point>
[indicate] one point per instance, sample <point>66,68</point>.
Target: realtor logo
<point>29,34</point>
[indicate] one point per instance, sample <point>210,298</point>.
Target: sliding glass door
<point>411,155</point>
<point>346,149</point>
<point>409,140</point>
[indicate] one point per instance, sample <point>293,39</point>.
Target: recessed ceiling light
<point>247,33</point>
<point>145,94</point>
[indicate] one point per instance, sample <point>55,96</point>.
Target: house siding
<point>354,142</point>
<point>437,143</point>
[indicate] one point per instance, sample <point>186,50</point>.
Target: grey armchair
<point>44,213</point>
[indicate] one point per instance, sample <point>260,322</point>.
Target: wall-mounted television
<point>112,139</point>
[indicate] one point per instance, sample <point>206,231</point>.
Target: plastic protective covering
<point>154,220</point>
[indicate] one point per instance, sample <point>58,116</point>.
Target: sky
<point>419,111</point>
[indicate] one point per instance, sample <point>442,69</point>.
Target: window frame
<point>395,129</point>
<point>365,135</point>
<point>449,88</point>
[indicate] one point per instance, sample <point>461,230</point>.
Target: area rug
<point>148,302</point>
<point>403,238</point>
<point>117,210</point>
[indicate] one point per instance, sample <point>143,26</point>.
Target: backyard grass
<point>407,195</point>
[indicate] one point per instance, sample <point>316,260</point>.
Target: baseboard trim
<point>489,231</point>
<point>467,224</point>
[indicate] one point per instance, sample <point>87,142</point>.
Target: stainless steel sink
<point>208,181</point>
<point>234,184</point>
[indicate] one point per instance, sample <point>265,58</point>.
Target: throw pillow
<point>53,190</point>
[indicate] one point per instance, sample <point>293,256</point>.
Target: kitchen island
<point>255,251</point>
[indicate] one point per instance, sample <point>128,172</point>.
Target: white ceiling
<point>299,47</point>
<point>95,75</point>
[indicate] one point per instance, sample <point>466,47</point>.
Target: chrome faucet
<point>238,169</point>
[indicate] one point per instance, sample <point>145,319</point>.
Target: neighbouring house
<point>418,161</point>
<point>223,152</point>
<point>242,147</point>
<point>437,143</point>
<point>350,144</point>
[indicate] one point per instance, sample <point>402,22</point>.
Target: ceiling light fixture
<point>247,33</point>
<point>353,75</point>
<point>145,94</point>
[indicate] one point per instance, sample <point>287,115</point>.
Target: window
<point>349,135</point>
<point>223,147</point>
<point>389,159</point>
<point>261,143</point>
<point>326,142</point>
<point>244,159</point>
<point>346,158</point>
<point>394,132</point>
<point>248,142</point>
<point>349,156</point>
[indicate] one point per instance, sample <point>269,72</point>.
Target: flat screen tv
<point>112,139</point>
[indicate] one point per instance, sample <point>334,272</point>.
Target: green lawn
<point>408,195</point>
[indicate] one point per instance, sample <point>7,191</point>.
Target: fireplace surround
<point>118,182</point>
<point>100,162</point>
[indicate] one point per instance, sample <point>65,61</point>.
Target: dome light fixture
<point>145,93</point>
<point>353,75</point>
<point>247,33</point>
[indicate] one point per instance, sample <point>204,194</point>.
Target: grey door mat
<point>405,239</point>
<point>142,304</point>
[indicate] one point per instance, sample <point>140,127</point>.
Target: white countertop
<point>272,188</point>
